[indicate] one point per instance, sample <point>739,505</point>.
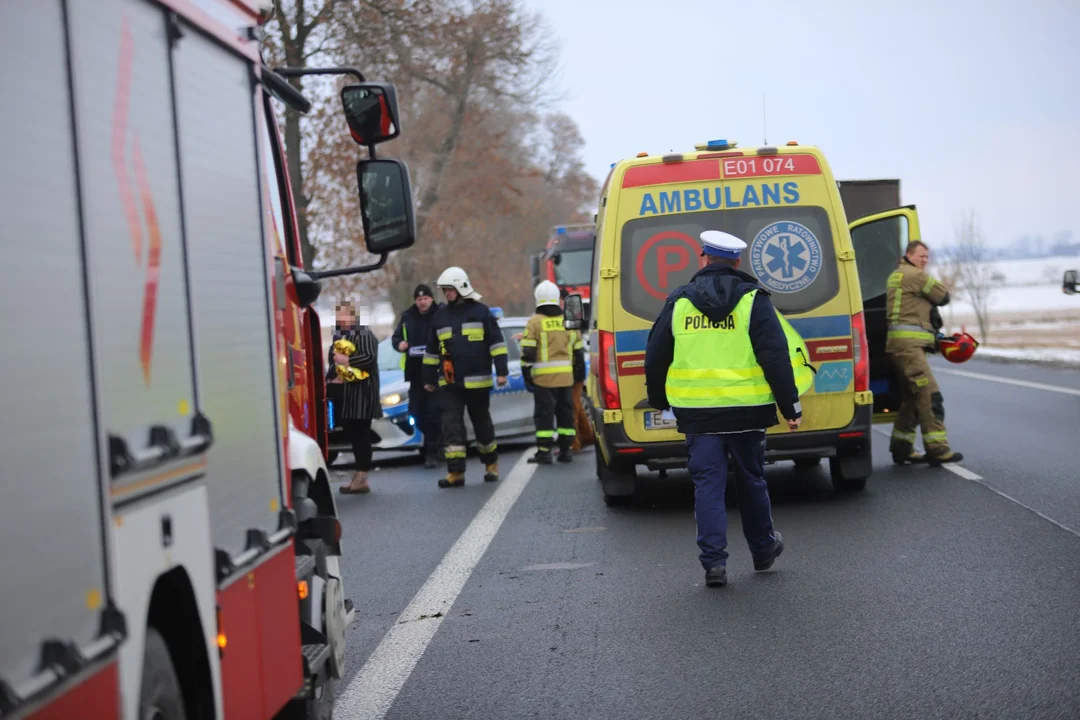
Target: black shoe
<point>953,457</point>
<point>766,561</point>
<point>566,457</point>
<point>541,458</point>
<point>716,576</point>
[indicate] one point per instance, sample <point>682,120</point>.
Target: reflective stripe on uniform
<point>473,382</point>
<point>552,368</point>
<point>896,281</point>
<point>935,437</point>
<point>430,359</point>
<point>498,349</point>
<point>567,432</point>
<point>455,451</point>
<point>490,448</point>
<point>444,333</point>
<point>544,434</point>
<point>912,334</point>
<point>526,342</point>
<point>903,436</point>
<point>472,326</point>
<point>929,286</point>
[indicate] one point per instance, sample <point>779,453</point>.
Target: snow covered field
<point>1031,319</point>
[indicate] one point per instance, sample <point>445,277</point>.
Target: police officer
<point>723,359</point>
<point>550,354</point>
<point>463,342</point>
<point>409,337</point>
<point>911,305</point>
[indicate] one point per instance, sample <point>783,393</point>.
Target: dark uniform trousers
<point>708,467</point>
<point>553,414</point>
<point>424,408</point>
<point>454,400</point>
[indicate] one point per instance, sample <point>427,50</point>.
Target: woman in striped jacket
<point>353,362</point>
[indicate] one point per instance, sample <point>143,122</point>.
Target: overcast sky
<point>971,104</point>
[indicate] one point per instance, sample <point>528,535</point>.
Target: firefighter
<point>550,354</point>
<point>409,338</point>
<point>463,343</point>
<point>911,304</point>
<point>723,359</point>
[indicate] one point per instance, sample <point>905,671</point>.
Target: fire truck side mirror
<point>573,312</point>
<point>371,110</point>
<point>534,268</point>
<point>386,205</point>
<point>1069,282</point>
<point>307,287</point>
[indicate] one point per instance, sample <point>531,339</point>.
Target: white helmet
<point>546,293</point>
<point>456,278</point>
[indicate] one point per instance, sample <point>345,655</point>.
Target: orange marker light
<point>643,154</point>
<point>222,641</point>
<point>302,588</point>
<point>792,142</point>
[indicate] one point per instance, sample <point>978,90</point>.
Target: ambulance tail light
<point>609,372</point>
<point>861,352</point>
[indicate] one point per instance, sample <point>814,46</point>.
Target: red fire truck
<point>171,539</point>
<point>566,260</point>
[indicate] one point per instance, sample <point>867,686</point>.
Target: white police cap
<point>721,244</point>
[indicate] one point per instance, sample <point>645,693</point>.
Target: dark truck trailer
<point>867,197</point>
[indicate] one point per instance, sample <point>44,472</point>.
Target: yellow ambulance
<point>785,204</point>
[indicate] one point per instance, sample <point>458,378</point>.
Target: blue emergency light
<point>560,230</point>
<point>330,413</point>
<point>497,313</point>
<point>717,144</point>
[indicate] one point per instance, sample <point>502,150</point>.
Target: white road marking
<point>1009,381</point>
<point>374,689</point>
<point>963,472</point>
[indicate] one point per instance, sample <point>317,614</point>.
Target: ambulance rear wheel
<point>159,697</point>
<point>851,470</point>
<point>618,482</point>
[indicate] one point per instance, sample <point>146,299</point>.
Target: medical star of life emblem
<point>785,257</point>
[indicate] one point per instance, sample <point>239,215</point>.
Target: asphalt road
<point>933,594</point>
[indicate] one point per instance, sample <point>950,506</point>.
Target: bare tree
<point>305,31</point>
<point>976,274</point>
<point>947,270</point>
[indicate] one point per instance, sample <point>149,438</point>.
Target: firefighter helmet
<point>546,293</point>
<point>958,348</point>
<point>456,278</point>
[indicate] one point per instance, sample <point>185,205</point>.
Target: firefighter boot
<point>566,452</point>
<point>542,457</point>
<point>453,479</point>
<point>492,473</point>
<point>912,458</point>
<point>949,457</point>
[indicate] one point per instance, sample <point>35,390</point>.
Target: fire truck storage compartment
<point>229,263</point>
<point>53,565</point>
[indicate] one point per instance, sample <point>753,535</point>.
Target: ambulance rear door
<point>879,241</point>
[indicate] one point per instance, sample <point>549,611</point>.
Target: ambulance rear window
<point>789,250</point>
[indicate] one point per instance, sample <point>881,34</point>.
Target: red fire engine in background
<point>566,260</point>
<point>172,541</point>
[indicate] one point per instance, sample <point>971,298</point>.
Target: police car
<point>511,406</point>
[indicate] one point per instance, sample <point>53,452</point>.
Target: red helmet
<point>958,348</point>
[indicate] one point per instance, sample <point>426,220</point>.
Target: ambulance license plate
<point>654,421</point>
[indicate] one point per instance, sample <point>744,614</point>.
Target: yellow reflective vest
<point>714,364</point>
<point>547,349</point>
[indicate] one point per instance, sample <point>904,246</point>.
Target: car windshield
<point>389,358</point>
<point>574,268</point>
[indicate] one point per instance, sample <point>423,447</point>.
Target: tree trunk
<point>293,154</point>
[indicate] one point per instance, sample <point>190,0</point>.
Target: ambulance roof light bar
<point>716,145</point>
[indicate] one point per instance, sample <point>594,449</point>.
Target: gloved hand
<point>935,319</point>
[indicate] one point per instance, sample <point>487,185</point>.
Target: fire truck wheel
<point>160,697</point>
